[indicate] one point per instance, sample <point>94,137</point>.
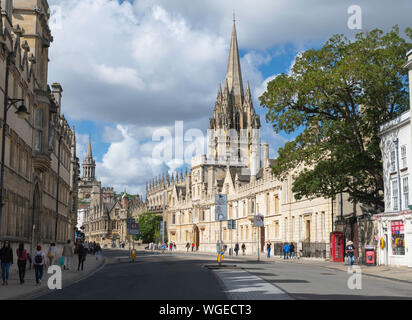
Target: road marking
<point>241,285</point>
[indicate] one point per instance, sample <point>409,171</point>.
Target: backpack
<point>38,259</point>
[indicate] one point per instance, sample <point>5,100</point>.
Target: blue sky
<point>129,68</point>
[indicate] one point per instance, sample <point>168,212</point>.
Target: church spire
<point>89,149</point>
<point>234,73</point>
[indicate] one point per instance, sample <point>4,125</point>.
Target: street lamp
<point>21,113</point>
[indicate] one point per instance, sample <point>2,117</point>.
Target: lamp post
<point>21,113</point>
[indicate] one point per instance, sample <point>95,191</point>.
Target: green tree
<point>149,224</point>
<point>337,97</point>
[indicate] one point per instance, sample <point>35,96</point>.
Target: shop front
<point>395,238</point>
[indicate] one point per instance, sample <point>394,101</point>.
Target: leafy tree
<point>149,224</point>
<point>337,97</point>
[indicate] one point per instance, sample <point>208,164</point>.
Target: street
<point>181,276</point>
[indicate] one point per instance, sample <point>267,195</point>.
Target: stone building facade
<point>103,215</point>
<point>39,190</point>
<point>236,169</point>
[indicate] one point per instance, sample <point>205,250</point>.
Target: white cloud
<point>143,65</point>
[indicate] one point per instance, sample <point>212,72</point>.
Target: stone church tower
<point>234,126</point>
<point>89,165</point>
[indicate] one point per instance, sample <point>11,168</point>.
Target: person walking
<point>243,248</point>
<point>350,252</point>
<point>6,258</point>
<point>39,261</point>
<point>52,253</point>
<point>22,257</point>
<point>268,248</point>
<point>98,251</point>
<point>163,248</point>
<point>292,251</point>
<point>286,250</point>
<point>193,246</point>
<point>237,249</point>
<point>187,247</point>
<point>81,254</point>
<point>67,255</point>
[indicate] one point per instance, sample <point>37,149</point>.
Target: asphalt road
<point>179,276</point>
<point>150,277</point>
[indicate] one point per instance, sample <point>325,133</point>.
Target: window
<point>395,201</point>
<point>302,236</point>
<point>398,238</point>
<point>276,204</point>
<point>276,229</point>
<point>174,219</point>
<point>393,161</point>
<point>38,125</point>
<point>403,157</point>
<point>405,192</point>
<point>286,229</point>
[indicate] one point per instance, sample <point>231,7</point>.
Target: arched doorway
<point>196,237</point>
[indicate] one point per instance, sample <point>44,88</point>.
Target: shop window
<point>398,238</point>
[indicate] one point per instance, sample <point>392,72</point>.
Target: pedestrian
<point>39,261</point>
<point>292,251</point>
<point>67,254</point>
<point>170,246</point>
<point>268,248</point>
<point>350,252</point>
<point>286,251</point>
<point>237,249</point>
<point>243,248</point>
<point>98,250</point>
<point>51,253</point>
<point>163,248</point>
<point>193,246</point>
<point>174,246</point>
<point>86,247</point>
<point>6,258</point>
<point>187,247</point>
<point>81,254</point>
<point>22,256</point>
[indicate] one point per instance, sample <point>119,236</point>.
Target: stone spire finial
<point>89,149</point>
<point>234,73</point>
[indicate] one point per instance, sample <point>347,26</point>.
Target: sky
<point>130,68</point>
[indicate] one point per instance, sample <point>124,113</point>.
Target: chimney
<point>57,94</point>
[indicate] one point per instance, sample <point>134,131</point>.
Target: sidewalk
<point>403,274</point>
<point>17,291</point>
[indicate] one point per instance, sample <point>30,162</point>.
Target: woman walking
<point>52,253</point>
<point>268,248</point>
<point>39,261</point>
<point>81,253</point>
<point>22,258</point>
<point>6,257</point>
<point>243,248</point>
<point>67,254</point>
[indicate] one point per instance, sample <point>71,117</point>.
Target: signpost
<point>221,214</point>
<point>231,225</point>
<point>258,222</point>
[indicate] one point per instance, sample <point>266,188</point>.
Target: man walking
<point>6,258</point>
<point>81,253</point>
<point>39,261</point>
<point>268,248</point>
<point>187,247</point>
<point>237,249</point>
<point>286,250</point>
<point>243,248</point>
<point>67,255</point>
<point>292,251</point>
<point>350,252</point>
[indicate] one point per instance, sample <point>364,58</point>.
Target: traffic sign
<point>258,221</point>
<point>221,207</point>
<point>134,228</point>
<point>231,224</point>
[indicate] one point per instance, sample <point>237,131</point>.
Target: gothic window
<point>38,125</point>
<point>237,121</point>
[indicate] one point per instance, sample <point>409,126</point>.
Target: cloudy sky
<point>131,67</point>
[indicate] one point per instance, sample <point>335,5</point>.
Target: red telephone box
<point>337,246</point>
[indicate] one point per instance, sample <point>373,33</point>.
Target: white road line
<point>241,285</point>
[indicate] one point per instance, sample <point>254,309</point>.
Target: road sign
<point>231,224</point>
<point>221,207</point>
<point>129,221</point>
<point>258,221</point>
<point>134,228</point>
<point>162,227</point>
